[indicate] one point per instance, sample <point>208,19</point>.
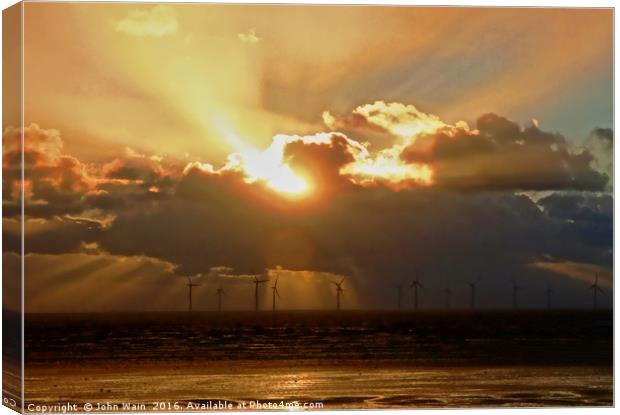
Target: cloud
<point>61,283</point>
<point>375,236</point>
<point>53,182</point>
<point>500,154</point>
<point>235,219</point>
<point>57,184</point>
<point>249,37</point>
<point>157,21</point>
<point>401,120</point>
<point>600,144</point>
<point>497,155</point>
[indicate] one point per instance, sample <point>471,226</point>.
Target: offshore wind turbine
<point>190,285</point>
<point>515,294</point>
<point>416,284</point>
<point>472,292</point>
<point>595,290</point>
<point>549,293</point>
<point>339,292</point>
<point>220,292</point>
<point>256,283</point>
<point>274,289</point>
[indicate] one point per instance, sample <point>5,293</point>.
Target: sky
<point>311,143</point>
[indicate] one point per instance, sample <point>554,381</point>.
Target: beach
<point>320,360</point>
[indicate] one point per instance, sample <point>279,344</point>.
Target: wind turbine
<point>515,294</point>
<point>339,292</point>
<point>448,293</point>
<point>595,290</point>
<point>220,292</point>
<point>399,293</point>
<point>415,284</point>
<point>549,293</point>
<point>256,282</point>
<point>274,289</point>
<point>190,285</point>
<point>472,292</point>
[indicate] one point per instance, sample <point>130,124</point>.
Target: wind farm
<point>277,342</point>
<point>466,299</point>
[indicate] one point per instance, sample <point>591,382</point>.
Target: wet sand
<point>349,385</point>
<point>349,360</point>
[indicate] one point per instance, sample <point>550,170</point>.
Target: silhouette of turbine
<point>472,292</point>
<point>190,285</point>
<point>339,292</point>
<point>220,292</point>
<point>549,293</point>
<point>256,282</point>
<point>415,284</point>
<point>515,295</point>
<point>595,290</point>
<point>274,289</point>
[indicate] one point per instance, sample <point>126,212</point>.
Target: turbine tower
<point>274,289</point>
<point>448,294</point>
<point>190,285</point>
<point>399,297</point>
<point>415,284</point>
<point>549,293</point>
<point>472,292</point>
<point>515,295</point>
<point>220,292</point>
<point>256,283</point>
<point>595,290</point>
<point>339,292</point>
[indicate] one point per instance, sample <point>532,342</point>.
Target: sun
<point>286,181</point>
<point>269,167</point>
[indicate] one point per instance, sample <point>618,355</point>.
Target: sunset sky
<point>311,142</point>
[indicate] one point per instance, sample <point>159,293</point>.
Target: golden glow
<point>267,166</point>
<point>271,167</point>
<point>387,166</point>
<point>390,169</point>
<point>404,121</point>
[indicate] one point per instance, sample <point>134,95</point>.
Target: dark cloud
<point>56,184</point>
<point>197,218</point>
<point>50,236</point>
<point>605,134</point>
<point>500,155</point>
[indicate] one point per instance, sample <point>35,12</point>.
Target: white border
<point>484,3</point>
